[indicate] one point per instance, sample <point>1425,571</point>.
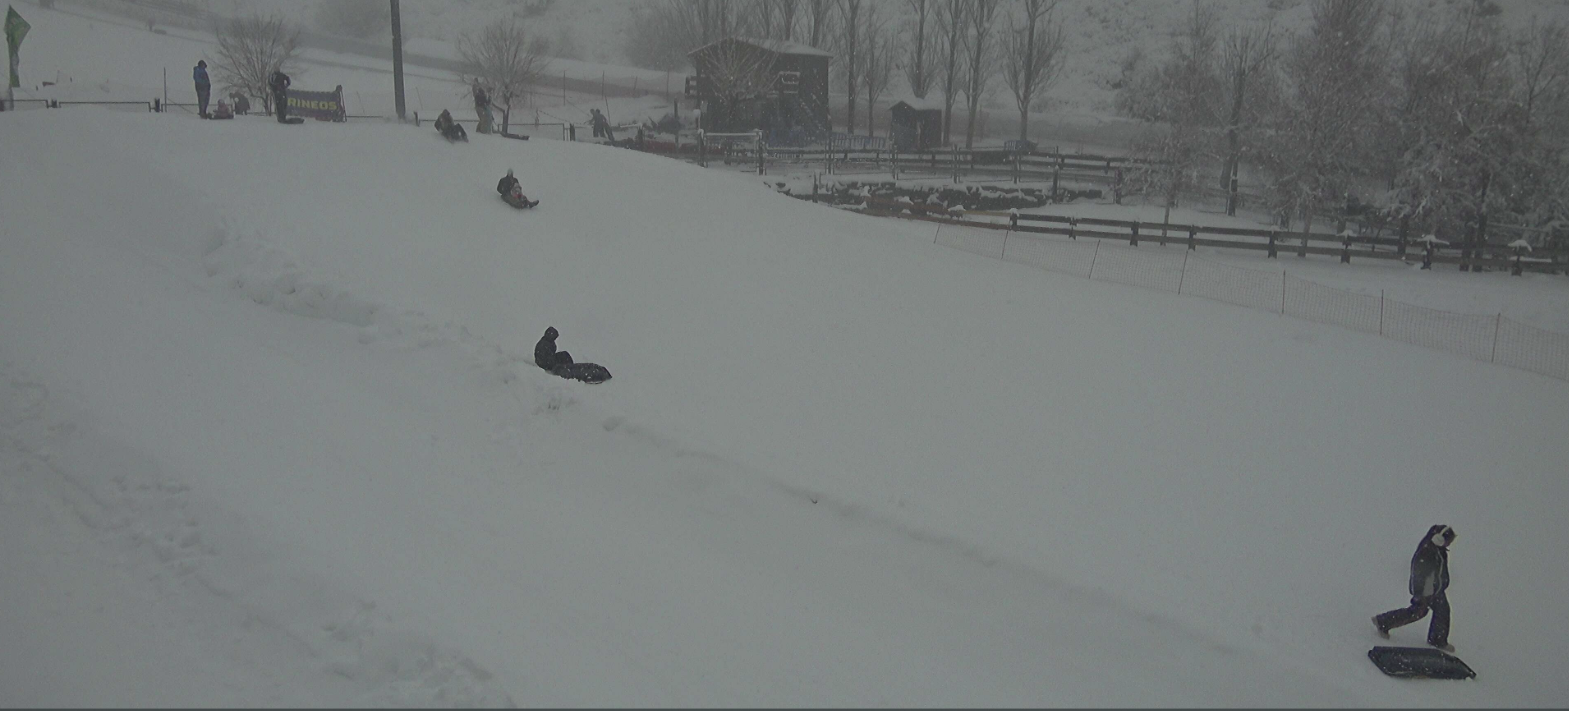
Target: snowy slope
<point>302,391</point>
<point>270,435</point>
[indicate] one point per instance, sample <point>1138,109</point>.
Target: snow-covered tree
<point>1335,75</point>
<point>1245,61</point>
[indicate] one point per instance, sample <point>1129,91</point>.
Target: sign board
<point>320,105</point>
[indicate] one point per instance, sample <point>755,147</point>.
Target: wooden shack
<point>916,124</point>
<point>747,84</point>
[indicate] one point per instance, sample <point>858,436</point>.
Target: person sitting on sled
<point>449,128</point>
<point>512,192</point>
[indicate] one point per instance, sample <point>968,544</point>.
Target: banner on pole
<point>321,105</point>
<point>15,30</point>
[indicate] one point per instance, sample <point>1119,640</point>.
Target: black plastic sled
<point>521,205</point>
<point>586,372</point>
<point>456,135</point>
<point>1419,663</point>
<point>292,120</point>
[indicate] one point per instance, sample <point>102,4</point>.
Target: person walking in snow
<point>545,354</point>
<point>1429,580</point>
<point>203,87</point>
<point>279,84</point>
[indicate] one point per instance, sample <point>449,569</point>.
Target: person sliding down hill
<point>560,363</point>
<point>451,130</point>
<point>512,192</point>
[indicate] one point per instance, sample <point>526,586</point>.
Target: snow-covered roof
<point>918,104</point>
<point>1521,244</point>
<point>778,46</point>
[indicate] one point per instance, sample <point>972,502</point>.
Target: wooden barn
<point>916,124</point>
<point>748,84</point>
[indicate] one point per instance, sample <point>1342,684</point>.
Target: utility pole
<point>397,58</point>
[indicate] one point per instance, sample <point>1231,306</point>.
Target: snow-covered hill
<point>270,434</point>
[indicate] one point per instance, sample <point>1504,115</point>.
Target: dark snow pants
<point>280,105</point>
<point>1437,633</point>
<point>202,93</point>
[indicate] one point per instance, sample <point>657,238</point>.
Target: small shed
<point>917,124</point>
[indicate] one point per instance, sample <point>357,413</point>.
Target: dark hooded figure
<point>545,354</point>
<point>279,84</point>
<point>1429,580</point>
<point>203,87</point>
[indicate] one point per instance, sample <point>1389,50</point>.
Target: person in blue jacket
<point>1429,580</point>
<point>203,87</point>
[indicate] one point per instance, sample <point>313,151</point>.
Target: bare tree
<point>1245,56</point>
<point>951,15</point>
<point>980,60</point>
<point>920,65</point>
<point>500,58</point>
<point>880,56</point>
<point>851,33</point>
<point>819,15</point>
<point>1033,56</point>
<point>789,12</point>
<point>250,49</point>
<point>738,73</point>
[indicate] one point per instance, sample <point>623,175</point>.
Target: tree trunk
<point>1024,122</point>
<point>1233,151</point>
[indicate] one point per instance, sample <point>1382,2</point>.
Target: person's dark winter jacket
<point>506,185</point>
<point>545,354</point>
<point>452,130</point>
<point>203,87</point>
<point>1430,563</point>
<point>279,83</point>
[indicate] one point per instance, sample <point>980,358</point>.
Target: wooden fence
<point>1345,246</point>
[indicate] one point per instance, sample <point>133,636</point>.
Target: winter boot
<point>1381,631</point>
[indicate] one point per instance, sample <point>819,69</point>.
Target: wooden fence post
<point>1193,244</point>
<point>1134,240</point>
<point>1274,235</point>
<point>1345,247</point>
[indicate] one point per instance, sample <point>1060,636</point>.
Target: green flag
<point>15,29</point>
